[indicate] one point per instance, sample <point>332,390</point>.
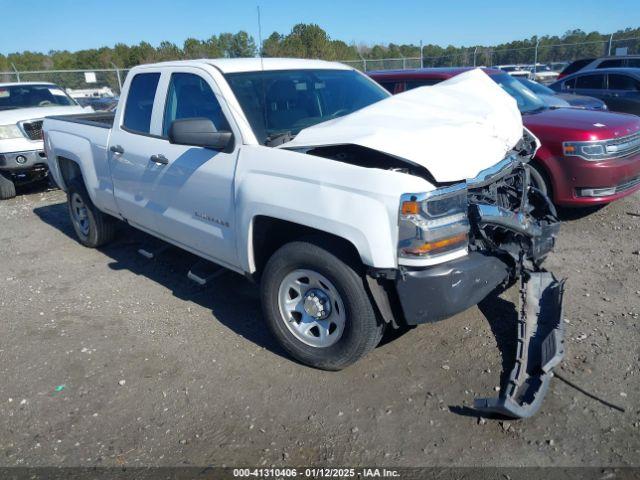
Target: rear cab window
<point>139,106</point>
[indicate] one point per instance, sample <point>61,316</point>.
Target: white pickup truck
<point>354,210</point>
<point>22,109</point>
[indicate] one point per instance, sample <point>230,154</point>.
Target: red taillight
<point>561,75</point>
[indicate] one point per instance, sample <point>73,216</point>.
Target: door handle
<point>116,149</point>
<point>159,159</point>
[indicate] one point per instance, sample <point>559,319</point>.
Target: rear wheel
<point>92,227</point>
<point>317,307</point>
<point>7,188</point>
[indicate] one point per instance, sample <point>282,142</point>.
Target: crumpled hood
<point>454,129</point>
<point>20,114</point>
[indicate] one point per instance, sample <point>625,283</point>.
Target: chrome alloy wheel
<point>79,214</point>
<point>311,308</point>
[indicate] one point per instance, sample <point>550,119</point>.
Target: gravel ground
<point>108,359</point>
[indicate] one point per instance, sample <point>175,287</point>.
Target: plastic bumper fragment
<point>540,347</point>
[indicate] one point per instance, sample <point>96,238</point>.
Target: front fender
<point>355,203</point>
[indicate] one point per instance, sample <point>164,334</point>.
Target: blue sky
<point>40,25</point>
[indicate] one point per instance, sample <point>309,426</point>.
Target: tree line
<point>311,41</point>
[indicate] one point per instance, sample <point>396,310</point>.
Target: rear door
<point>623,94</point>
<point>591,84</point>
<point>131,142</point>
<point>192,192</point>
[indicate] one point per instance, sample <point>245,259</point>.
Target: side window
<point>592,82</point>
<point>137,111</point>
<point>425,82</point>
<point>622,82</point>
<point>618,62</point>
<point>190,96</point>
<point>569,84</point>
<point>389,86</point>
<point>633,62</point>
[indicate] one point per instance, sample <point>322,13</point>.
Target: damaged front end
<point>512,219</point>
<point>483,234</point>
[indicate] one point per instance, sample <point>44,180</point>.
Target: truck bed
<point>97,119</point>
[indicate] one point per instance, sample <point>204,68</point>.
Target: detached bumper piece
<point>540,347</point>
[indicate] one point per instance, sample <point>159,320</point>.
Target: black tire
<point>362,329</point>
<point>101,228</point>
<point>540,180</point>
<point>7,188</point>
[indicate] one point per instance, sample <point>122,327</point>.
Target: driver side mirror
<point>198,132</point>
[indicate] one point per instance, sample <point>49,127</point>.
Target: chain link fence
<point>482,56</point>
<point>554,55</point>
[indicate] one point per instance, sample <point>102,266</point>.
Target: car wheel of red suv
<point>539,180</point>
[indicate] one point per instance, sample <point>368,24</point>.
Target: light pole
<point>119,79</point>
<point>610,42</point>
<point>16,70</point>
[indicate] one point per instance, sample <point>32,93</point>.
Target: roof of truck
<point>235,65</point>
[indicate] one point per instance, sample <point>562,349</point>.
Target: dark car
<point>619,88</point>
<point>584,64</point>
<point>555,99</point>
<point>586,158</point>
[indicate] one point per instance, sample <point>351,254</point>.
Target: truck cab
<point>346,204</point>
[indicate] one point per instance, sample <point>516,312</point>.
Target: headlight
<point>433,224</point>
<point>603,149</point>
<point>10,131</point>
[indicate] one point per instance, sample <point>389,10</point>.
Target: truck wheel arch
<point>69,170</point>
<point>267,234</point>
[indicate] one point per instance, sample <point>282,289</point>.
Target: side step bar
<point>203,272</point>
<point>540,347</point>
<point>151,252</point>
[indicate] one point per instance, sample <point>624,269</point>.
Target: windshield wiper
<point>279,138</point>
<point>535,110</point>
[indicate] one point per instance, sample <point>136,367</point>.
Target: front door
<point>192,191</point>
<point>591,84</point>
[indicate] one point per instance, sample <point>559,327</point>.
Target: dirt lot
<point>107,358</point>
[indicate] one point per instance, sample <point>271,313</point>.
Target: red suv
<point>586,158</point>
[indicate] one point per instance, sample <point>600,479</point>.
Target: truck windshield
<point>283,102</point>
<point>528,102</point>
<point>28,96</point>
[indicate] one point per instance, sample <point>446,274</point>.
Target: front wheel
<point>539,179</point>
<point>7,188</point>
<point>317,307</point>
